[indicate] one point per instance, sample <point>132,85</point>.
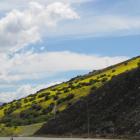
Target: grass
<point>20,130</point>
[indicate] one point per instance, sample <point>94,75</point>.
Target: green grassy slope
<point>23,131</point>
<point>47,102</point>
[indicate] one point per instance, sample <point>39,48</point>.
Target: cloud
<point>27,22</point>
<point>30,65</point>
<point>23,91</point>
<point>39,18</point>
<point>99,25</point>
<point>42,65</point>
<point>21,28</point>
<point>18,4</point>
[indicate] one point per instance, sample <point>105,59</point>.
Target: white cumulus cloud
<point>30,65</point>
<point>23,91</point>
<point>21,28</point>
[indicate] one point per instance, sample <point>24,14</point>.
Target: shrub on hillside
<point>104,80</point>
<point>69,104</point>
<point>67,98</point>
<point>113,76</point>
<point>53,89</point>
<point>78,86</point>
<point>113,70</point>
<point>85,84</point>
<point>36,107</point>
<point>8,111</point>
<point>25,100</point>
<point>12,122</point>
<point>103,75</point>
<point>55,97</point>
<point>92,81</point>
<point>40,96</point>
<point>70,83</point>
<point>58,93</point>
<point>40,101</point>
<point>72,86</point>
<point>126,63</point>
<point>138,64</point>
<point>46,98</point>
<point>48,109</point>
<point>29,114</point>
<point>44,94</point>
<point>66,90</point>
<point>93,88</point>
<point>31,99</point>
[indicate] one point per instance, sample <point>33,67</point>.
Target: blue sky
<point>45,42</point>
<point>106,46</point>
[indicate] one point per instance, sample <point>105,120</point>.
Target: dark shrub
<point>36,107</point>
<point>69,104</point>
<point>58,93</point>
<point>46,98</point>
<point>113,71</point>
<point>113,76</point>
<point>40,96</point>
<point>78,86</point>
<point>53,89</point>
<point>44,94</point>
<point>66,90</point>
<point>93,88</point>
<point>42,100</point>
<point>55,97</point>
<point>92,81</point>
<point>61,100</point>
<point>85,84</point>
<point>18,105</point>
<point>25,100</point>
<point>103,75</point>
<point>126,63</point>
<point>67,98</point>
<point>48,109</point>
<point>31,99</point>
<point>104,80</point>
<point>138,64</point>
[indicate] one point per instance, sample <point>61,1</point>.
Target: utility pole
<point>54,109</point>
<point>88,119</point>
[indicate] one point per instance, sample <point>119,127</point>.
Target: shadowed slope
<point>113,109</point>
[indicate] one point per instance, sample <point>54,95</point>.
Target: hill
<point>112,110</point>
<point>47,103</point>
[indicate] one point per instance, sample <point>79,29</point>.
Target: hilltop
<point>47,103</point>
<point>111,111</point>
